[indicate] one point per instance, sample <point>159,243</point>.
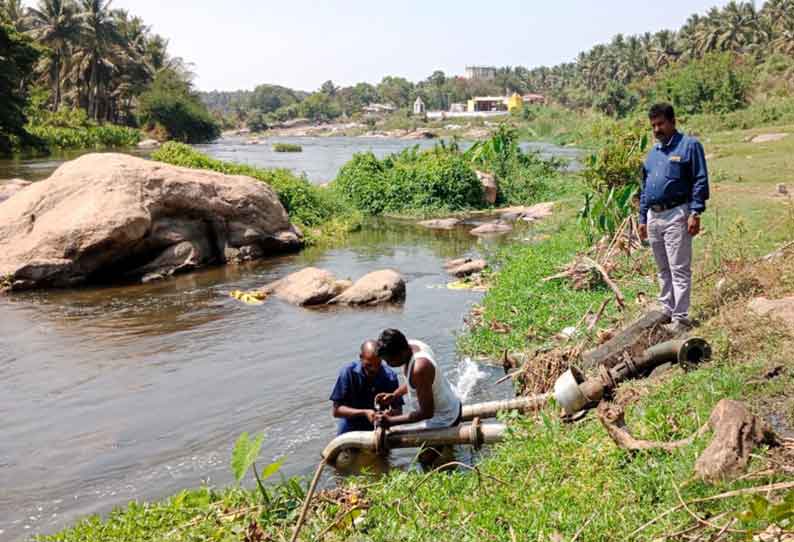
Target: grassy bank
<point>556,481</point>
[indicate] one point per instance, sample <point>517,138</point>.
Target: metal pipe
<point>492,408</point>
<point>574,393</point>
<point>471,433</point>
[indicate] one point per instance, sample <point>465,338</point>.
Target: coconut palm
<point>101,49</point>
<point>15,13</point>
<point>54,23</point>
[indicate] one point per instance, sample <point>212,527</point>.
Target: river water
<point>120,393</point>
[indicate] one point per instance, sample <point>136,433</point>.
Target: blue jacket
<point>353,390</point>
<point>675,171</point>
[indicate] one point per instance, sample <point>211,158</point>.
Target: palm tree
<point>778,17</point>
<point>55,25</point>
<point>100,49</point>
<point>15,13</point>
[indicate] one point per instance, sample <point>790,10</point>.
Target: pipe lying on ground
<point>574,393</point>
<point>475,434</point>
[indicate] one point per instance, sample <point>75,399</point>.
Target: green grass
<point>287,147</point>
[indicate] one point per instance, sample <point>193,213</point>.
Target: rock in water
<point>440,223</point>
<point>385,286</point>
<point>149,144</point>
<point>106,216</point>
<point>492,228</point>
<point>463,267</point>
<point>310,286</point>
<point>9,188</point>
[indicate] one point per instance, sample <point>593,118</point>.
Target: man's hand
<point>371,416</point>
<point>384,400</point>
<point>643,230</point>
<point>693,225</point>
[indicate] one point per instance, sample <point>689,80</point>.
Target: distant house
<point>457,108</point>
<point>480,73</point>
<point>487,103</point>
<point>419,106</point>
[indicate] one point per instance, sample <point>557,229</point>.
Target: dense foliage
<point>307,204</point>
<point>17,57</point>
<point>435,179</point>
<point>171,106</point>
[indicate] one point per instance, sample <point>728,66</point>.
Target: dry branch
<point>613,420</point>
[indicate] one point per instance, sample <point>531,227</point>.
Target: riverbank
<point>556,480</point>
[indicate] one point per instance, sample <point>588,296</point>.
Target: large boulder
<point>11,187</point>
<point>106,216</point>
<point>309,286</point>
<point>385,286</point>
<point>489,187</point>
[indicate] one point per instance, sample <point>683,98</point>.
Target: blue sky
<point>237,44</point>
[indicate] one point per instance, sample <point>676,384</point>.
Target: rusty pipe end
<point>694,350</point>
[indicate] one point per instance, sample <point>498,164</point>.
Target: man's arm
<point>423,377</point>
<point>700,179</point>
<point>388,399</point>
<point>343,411</point>
<point>643,199</point>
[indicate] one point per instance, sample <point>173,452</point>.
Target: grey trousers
<point>672,249</point>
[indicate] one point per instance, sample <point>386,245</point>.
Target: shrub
<point>522,177</point>
<point>411,180</point>
<point>287,147</point>
<point>611,178</point>
<point>87,137</point>
<point>306,203</point>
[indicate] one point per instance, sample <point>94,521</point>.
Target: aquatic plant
<point>244,455</point>
<point>287,147</point>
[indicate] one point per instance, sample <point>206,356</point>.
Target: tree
<point>328,88</point>
<point>99,49</point>
<point>17,58</point>
<point>14,13</point>
<point>395,90</point>
<point>55,24</point>
<point>172,106</point>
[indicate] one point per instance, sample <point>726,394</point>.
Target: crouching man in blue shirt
<point>675,187</point>
<point>356,387</point>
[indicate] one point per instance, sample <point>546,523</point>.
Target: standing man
<point>357,386</point>
<point>675,187</point>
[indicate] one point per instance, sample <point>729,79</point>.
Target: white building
<point>480,73</point>
<point>419,106</point>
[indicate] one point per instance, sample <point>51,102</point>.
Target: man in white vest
<point>438,404</point>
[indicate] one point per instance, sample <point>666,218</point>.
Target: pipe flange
<point>381,444</point>
<point>475,433</point>
<point>606,377</point>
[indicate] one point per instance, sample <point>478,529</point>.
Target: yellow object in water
<point>251,298</point>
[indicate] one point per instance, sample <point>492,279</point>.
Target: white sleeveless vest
<point>446,403</point>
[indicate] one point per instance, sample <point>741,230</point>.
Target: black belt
<point>667,205</point>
